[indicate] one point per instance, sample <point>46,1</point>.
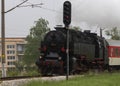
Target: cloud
<point>105,13</point>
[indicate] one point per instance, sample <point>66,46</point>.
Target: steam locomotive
<point>86,51</point>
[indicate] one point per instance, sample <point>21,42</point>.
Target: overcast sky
<point>88,14</point>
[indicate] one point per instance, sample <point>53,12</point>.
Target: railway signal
<point>67,13</point>
<point>67,21</point>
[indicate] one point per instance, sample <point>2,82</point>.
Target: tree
<point>114,33</point>
<point>77,28</point>
<point>33,41</point>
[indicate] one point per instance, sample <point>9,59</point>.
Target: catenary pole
<point>3,37</point>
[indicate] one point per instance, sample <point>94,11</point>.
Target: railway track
<point>24,77</point>
<point>21,80</point>
<point>18,77</point>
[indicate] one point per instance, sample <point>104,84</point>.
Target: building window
<point>20,48</point>
<point>10,57</point>
<point>11,63</point>
<point>10,46</point>
<point>10,52</point>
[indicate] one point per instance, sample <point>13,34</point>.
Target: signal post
<point>67,21</point>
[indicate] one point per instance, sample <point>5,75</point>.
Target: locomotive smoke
<point>103,13</point>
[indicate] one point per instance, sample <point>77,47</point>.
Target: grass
<point>105,79</point>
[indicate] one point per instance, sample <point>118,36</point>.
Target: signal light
<point>67,13</point>
<point>63,49</point>
<point>44,48</point>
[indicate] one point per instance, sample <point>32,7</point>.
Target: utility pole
<point>3,37</point>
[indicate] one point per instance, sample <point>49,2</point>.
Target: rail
<point>18,77</point>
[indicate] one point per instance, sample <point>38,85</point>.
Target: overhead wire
<point>40,6</point>
<point>49,9</point>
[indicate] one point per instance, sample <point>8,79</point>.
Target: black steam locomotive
<point>86,51</point>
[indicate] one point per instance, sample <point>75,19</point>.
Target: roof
<point>113,42</point>
<point>14,39</point>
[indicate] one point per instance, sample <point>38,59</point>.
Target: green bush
<point>12,73</point>
<point>29,71</point>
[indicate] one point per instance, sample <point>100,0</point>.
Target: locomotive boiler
<point>86,51</point>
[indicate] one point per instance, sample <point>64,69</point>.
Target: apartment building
<point>14,51</point>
